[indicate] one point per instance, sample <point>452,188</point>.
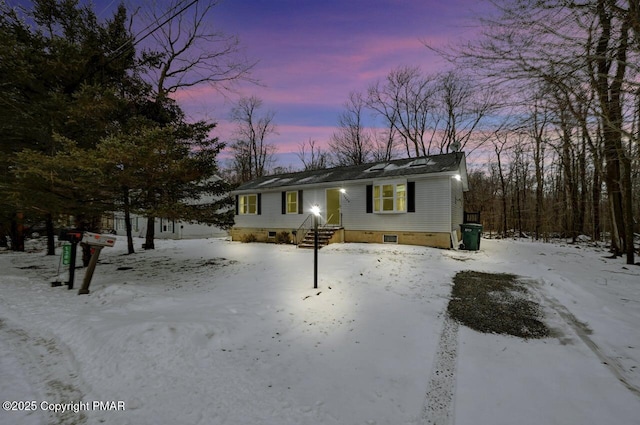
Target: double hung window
<point>292,202</point>
<point>390,197</point>
<point>248,204</point>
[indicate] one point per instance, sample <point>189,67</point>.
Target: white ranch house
<point>165,228</point>
<point>415,201</point>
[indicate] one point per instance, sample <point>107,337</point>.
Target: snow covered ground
<point>219,332</point>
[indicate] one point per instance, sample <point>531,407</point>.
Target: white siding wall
<point>432,209</point>
<point>271,211</point>
<point>174,229</point>
<point>432,199</point>
<point>457,204</point>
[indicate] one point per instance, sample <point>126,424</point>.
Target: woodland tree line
<point>545,102</point>
<point>566,158</point>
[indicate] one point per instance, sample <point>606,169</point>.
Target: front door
<point>333,207</point>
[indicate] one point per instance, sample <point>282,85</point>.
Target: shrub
<point>249,238</point>
<point>283,237</point>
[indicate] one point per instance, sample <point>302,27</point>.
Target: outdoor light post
<point>316,213</point>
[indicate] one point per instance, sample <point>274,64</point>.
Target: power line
<point>121,49</point>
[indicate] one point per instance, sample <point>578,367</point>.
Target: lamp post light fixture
<point>316,214</point>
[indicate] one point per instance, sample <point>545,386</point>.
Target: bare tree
<point>253,155</point>
<point>188,51</point>
<point>351,143</point>
<point>463,107</point>
<point>608,59</point>
<point>315,158</point>
<point>538,123</point>
<point>572,45</point>
<point>384,144</point>
<point>406,102</point>
<point>500,142</point>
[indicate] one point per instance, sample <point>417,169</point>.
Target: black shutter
<point>369,198</point>
<point>411,197</point>
<point>237,204</point>
<point>300,209</point>
<point>284,202</point>
<point>259,203</point>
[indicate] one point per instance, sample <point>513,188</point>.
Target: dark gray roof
<point>378,170</point>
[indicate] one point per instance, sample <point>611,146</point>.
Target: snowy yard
<point>218,332</point>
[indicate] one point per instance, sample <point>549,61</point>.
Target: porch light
<point>315,210</point>
<point>457,177</point>
<point>344,195</point>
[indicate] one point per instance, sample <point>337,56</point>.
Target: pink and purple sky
<point>313,53</point>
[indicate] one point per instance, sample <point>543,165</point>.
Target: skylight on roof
<point>421,162</point>
<point>269,181</point>
<point>378,167</point>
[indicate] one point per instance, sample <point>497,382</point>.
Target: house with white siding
<point>415,201</point>
<point>166,228</point>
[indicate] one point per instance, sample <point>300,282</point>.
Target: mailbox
<point>96,239</point>
<point>73,236</point>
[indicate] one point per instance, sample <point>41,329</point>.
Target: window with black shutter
<point>411,196</point>
<point>369,198</point>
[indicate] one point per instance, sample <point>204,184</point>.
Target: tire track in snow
<point>49,366</point>
<point>583,333</point>
<point>439,401</point>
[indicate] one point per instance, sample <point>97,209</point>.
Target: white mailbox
<point>97,239</point>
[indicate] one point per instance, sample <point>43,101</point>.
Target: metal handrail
<point>310,226</point>
<point>326,223</point>
<point>302,226</point>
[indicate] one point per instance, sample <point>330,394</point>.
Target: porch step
<point>324,235</point>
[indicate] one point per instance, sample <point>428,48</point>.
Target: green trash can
<point>471,233</point>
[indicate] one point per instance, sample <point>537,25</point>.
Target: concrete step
<point>324,235</point>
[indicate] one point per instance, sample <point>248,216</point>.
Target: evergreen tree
<point>170,172</point>
<point>67,74</point>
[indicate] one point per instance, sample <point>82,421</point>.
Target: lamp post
<point>316,213</point>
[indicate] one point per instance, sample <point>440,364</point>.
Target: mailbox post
<point>97,242</point>
<point>74,237</point>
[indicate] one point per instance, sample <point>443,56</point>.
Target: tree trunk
<point>17,232</point>
<point>51,243</point>
<point>609,90</point>
<point>127,220</point>
<point>627,198</point>
<point>596,195</point>
<point>539,187</point>
<point>503,186</point>
<point>581,202</point>
<point>149,240</point>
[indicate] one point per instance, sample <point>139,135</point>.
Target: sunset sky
<point>313,53</point>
